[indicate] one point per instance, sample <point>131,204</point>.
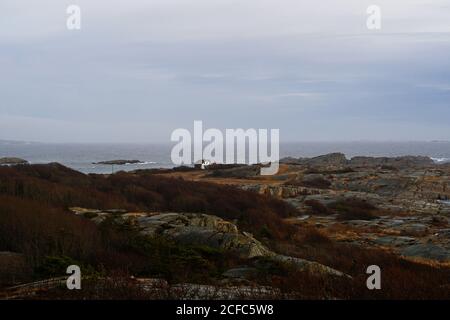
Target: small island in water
<point>12,161</point>
<point>118,162</point>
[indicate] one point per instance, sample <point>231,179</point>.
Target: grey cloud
<point>139,69</point>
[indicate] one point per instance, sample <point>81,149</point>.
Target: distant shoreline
<point>81,156</point>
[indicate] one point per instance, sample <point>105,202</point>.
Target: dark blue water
<point>81,156</point>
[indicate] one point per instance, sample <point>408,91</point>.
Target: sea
<point>82,157</point>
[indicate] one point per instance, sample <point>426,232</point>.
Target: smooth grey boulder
<point>208,230</point>
<point>311,266</point>
<point>427,251</point>
<point>241,273</point>
<point>395,241</point>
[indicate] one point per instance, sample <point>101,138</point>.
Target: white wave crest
<point>441,160</point>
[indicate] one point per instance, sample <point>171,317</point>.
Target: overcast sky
<point>138,69</point>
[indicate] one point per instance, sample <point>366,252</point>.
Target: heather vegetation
<point>354,209</point>
<point>35,222</point>
<point>346,209</point>
<point>401,279</point>
<point>316,182</point>
<point>61,187</point>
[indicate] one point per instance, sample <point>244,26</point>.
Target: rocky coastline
<point>411,193</point>
<point>235,232</point>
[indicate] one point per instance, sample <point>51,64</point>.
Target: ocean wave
<point>140,163</point>
<point>147,162</point>
<point>441,160</point>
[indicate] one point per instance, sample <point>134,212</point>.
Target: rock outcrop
<point>339,160</point>
<point>311,266</point>
<point>427,251</point>
<point>202,229</point>
<point>331,159</point>
<point>411,194</point>
<point>399,162</point>
<point>282,191</point>
<point>206,230</point>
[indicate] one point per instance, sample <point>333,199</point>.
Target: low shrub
<point>317,183</point>
<point>354,209</point>
<point>317,207</point>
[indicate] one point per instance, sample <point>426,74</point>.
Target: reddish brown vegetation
<point>317,207</point>
<point>401,279</point>
<point>346,209</point>
<point>354,209</point>
<point>58,186</point>
<point>34,220</point>
<point>318,183</point>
